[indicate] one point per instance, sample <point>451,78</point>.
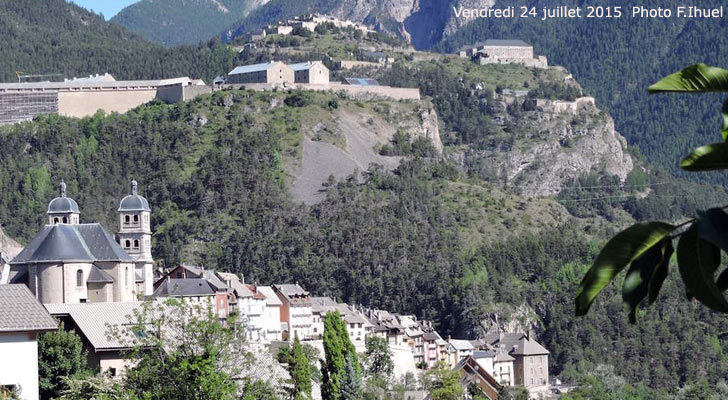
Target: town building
<point>272,318</point>
<point>22,317</point>
<point>473,371</point>
<point>71,262</point>
<point>83,97</point>
<point>530,362</point>
<point>296,312</point>
<point>198,285</point>
<point>311,72</point>
<point>356,325</point>
<point>273,72</point>
<point>93,323</point>
<point>284,30</point>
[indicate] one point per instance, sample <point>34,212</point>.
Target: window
<point>126,276</point>
<point>136,219</point>
<point>65,220</point>
<point>127,244</point>
<point>112,371</point>
<point>136,244</point>
<point>126,219</point>
<point>55,220</point>
<point>79,278</point>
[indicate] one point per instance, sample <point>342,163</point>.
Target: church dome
<point>134,202</point>
<point>62,204</point>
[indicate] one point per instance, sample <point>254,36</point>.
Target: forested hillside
<point>214,176</point>
<point>179,22</point>
<point>437,237</point>
<point>55,37</point>
<point>616,59</point>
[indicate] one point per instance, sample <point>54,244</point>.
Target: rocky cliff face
<point>551,145</point>
<point>9,248</point>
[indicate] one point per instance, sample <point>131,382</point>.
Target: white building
<point>311,72</point>
<point>296,311</point>
<point>22,317</point>
<point>272,316</point>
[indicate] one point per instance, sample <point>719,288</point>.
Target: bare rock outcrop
<point>554,144</point>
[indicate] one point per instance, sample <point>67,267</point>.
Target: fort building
<point>82,97</point>
<point>273,72</point>
<point>312,72</point>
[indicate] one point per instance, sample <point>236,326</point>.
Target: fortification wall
<point>86,103</point>
<point>561,106</point>
<point>359,92</point>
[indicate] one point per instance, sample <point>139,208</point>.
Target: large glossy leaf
<point>697,261</point>
<point>707,158</point>
<point>647,272</point>
<point>695,78</point>
<point>660,274</point>
<point>624,248</point>
<point>713,227</point>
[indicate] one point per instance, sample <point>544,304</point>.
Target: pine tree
<point>300,373</point>
<point>352,385</point>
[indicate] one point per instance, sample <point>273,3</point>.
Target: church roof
<point>72,243</point>
<point>62,204</point>
<point>134,202</point>
<point>96,275</point>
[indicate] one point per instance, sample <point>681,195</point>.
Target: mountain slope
<point>175,22</point>
<point>617,59</point>
<point>422,22</point>
<point>56,37</point>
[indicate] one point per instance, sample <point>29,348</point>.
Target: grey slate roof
<point>134,202</point>
<point>96,275</point>
<point>62,205</point>
<point>20,311</point>
<point>515,344</point>
<point>72,243</point>
<point>91,319</point>
<point>508,43</point>
<point>184,287</point>
<point>295,294</point>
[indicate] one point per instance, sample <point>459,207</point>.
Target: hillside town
<point>78,273</point>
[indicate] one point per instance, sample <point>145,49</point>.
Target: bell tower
<point>62,209</point>
<point>135,235</point>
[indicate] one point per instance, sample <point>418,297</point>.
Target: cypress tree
<point>335,359</point>
<point>300,373</point>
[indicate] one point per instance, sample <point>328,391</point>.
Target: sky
<point>107,7</point>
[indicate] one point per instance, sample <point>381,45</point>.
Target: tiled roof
<point>92,320</point>
<point>20,311</point>
<point>271,299</point>
<point>72,243</point>
<point>294,293</point>
<point>184,287</point>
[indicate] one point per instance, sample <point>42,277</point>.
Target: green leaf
<point>707,158</point>
<point>647,271</point>
<point>620,251</point>
<point>660,274</point>
<point>713,227</point>
<point>724,113</point>
<point>697,261</point>
<point>695,78</point>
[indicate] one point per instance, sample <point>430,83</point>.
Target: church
<point>69,262</point>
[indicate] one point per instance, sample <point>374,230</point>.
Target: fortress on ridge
<point>495,51</point>
<point>72,262</point>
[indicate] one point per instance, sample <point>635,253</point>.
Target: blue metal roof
<point>361,81</point>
